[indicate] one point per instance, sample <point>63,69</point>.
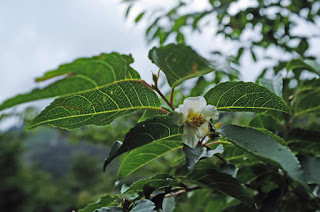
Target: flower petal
<point>178,117</point>
<point>194,104</point>
<point>203,130</point>
<point>189,136</point>
<point>210,112</point>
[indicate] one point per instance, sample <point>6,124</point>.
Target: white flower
<point>194,115</point>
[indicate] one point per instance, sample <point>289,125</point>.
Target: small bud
<point>217,125</point>
<point>155,79</point>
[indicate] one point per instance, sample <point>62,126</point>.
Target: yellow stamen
<point>195,119</point>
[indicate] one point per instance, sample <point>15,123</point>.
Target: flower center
<point>195,119</point>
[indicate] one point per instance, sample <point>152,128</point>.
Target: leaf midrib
<point>92,114</point>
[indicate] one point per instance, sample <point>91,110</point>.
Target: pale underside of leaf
<point>265,147</point>
<point>98,106</point>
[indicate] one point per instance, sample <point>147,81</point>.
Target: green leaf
<point>275,84</point>
<point>304,141</point>
<point>139,17</point>
<point>179,63</point>
<point>208,176</point>
<point>310,65</point>
<point>160,128</point>
<point>307,101</point>
<point>236,155</point>
<point>220,203</point>
<point>143,205</point>
<point>98,107</point>
<point>245,96</point>
<point>159,181</point>
<point>268,121</point>
<point>265,147</point>
<point>81,75</point>
<point>143,155</point>
<point>310,166</point>
<point>193,155</point>
<point>149,114</point>
<point>104,201</point>
<point>168,204</point>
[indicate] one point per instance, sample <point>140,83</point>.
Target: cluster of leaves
<point>268,163</point>
<point>270,24</point>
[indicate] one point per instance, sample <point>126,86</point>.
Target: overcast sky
<point>37,36</point>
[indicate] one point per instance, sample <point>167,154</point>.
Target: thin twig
<point>163,97</point>
<point>182,191</point>
<point>159,92</point>
<point>171,97</point>
<point>218,142</point>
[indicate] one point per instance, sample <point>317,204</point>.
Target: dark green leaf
<point>160,181</point>
<point>310,166</point>
<point>143,205</point>
<point>245,96</point>
<point>81,75</point>
<point>104,201</point>
<point>265,147</point>
<point>179,63</point>
<point>193,155</point>
<point>159,128</point>
<point>99,106</point>
<point>304,141</point>
<point>206,175</point>
<point>310,65</point>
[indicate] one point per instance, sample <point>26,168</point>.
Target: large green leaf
<point>208,176</point>
<point>80,75</point>
<point>99,106</point>
<point>148,153</point>
<point>160,128</point>
<point>245,96</point>
<point>179,63</point>
<point>310,65</point>
<point>265,147</point>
